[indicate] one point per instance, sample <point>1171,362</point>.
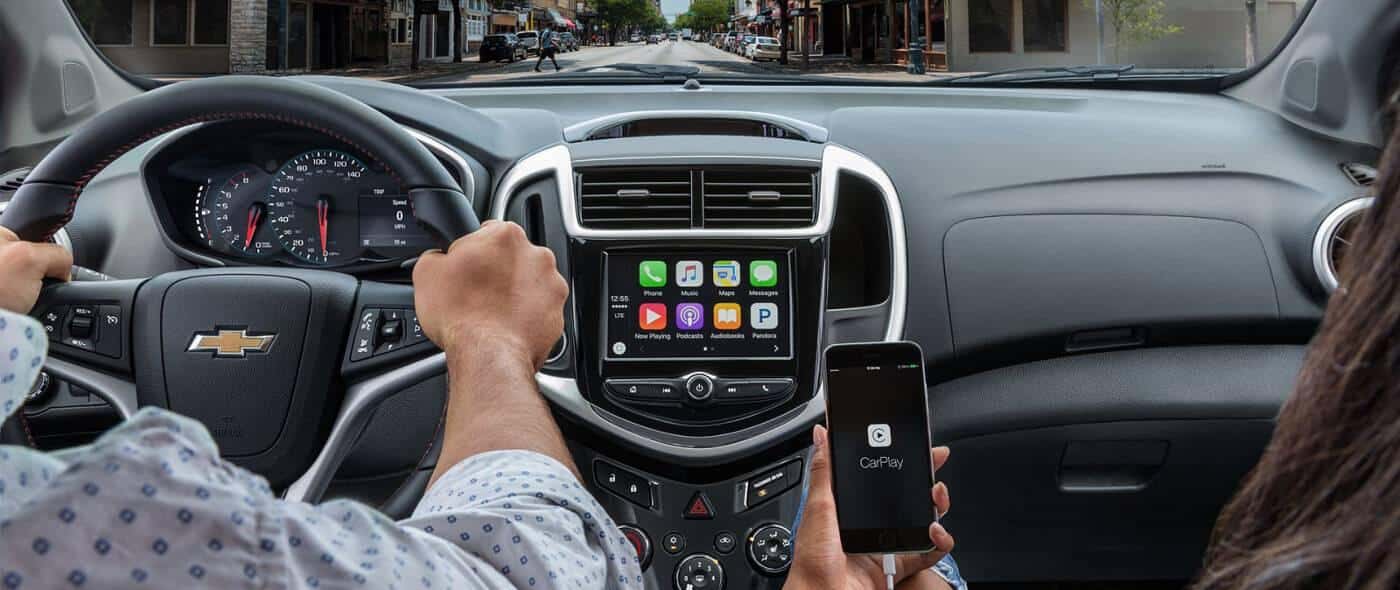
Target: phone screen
<point>877,416</point>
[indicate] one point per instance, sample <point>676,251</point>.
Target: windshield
<point>886,41</point>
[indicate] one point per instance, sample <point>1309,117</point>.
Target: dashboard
<point>258,194</point>
<point>1110,319</point>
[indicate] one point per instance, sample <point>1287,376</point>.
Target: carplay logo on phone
<point>878,435</point>
<point>886,462</point>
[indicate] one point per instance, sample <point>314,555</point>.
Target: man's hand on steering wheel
<point>23,268</point>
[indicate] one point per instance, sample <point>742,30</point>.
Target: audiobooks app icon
<point>727,316</point>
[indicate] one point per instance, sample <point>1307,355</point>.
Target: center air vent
<point>635,198</point>
<point>756,197</point>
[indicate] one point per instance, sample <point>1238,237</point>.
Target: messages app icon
<point>726,273</point>
<point>763,273</point>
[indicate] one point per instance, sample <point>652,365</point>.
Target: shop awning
<point>556,17</point>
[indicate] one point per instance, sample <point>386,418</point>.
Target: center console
<point>689,378</point>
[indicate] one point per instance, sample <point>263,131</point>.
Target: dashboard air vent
<point>1360,174</point>
<point>759,197</point>
<point>10,181</point>
<point>1334,240</point>
<point>635,198</point>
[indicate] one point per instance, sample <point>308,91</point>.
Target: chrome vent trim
<point>1326,241</point>
<point>758,197</point>
<point>1360,174</point>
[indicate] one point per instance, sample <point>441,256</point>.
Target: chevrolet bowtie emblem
<point>235,343</point>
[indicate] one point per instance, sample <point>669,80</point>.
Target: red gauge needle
<point>255,214</point>
<point>323,212</point>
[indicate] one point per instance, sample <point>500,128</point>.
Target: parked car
<point>675,37</point>
<point>653,39</point>
<point>530,40</point>
<point>568,42</point>
<point>635,38</point>
<point>504,47</point>
<point>764,48</point>
<point>716,39</point>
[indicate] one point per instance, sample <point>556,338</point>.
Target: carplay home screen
<point>880,445</point>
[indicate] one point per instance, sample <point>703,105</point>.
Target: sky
<point>671,8</point>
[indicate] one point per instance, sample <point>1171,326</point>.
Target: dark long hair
<point>1322,507</point>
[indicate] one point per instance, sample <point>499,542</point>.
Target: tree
<point>620,14</point>
<point>1251,33</point>
<point>1135,21</point>
<point>707,15</point>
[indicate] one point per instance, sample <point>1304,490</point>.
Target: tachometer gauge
<point>314,206</point>
<point>232,216</point>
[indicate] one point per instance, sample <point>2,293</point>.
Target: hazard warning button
<point>699,507</point>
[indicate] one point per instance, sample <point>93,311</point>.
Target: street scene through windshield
<point>465,41</point>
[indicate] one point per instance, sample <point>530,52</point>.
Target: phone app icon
<point>878,435</point>
<point>726,273</point>
<point>652,316</point>
<point>727,316</point>
<point>764,316</point>
<point>690,273</point>
<point>763,273</point>
<point>690,316</point>
<point>652,273</point>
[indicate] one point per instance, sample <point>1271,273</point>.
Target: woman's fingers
<point>942,501</point>
<point>909,565</point>
<point>940,456</point>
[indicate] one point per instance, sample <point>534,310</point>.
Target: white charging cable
<point>888,562</point>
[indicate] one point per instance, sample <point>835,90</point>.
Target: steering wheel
<point>277,388</point>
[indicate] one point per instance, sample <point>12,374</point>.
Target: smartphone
<point>882,471</point>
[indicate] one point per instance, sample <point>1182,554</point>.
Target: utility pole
<point>1251,32</point>
<point>916,41</point>
<point>461,37</point>
<point>417,34</point>
<point>782,31</point>
<point>806,32</point>
<point>1098,18</point>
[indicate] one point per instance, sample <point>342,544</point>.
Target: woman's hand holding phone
<point>820,562</point>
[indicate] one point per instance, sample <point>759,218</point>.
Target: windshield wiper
<point>668,71</point>
<point>1094,72</point>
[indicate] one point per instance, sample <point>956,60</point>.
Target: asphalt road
<point>690,53</point>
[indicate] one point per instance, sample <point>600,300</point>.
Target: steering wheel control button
<point>390,335</point>
<point>365,329</point>
<point>632,487</point>
<point>80,325</point>
<point>415,330</point>
<point>639,540</point>
<point>770,548</point>
<point>52,321</point>
<point>725,542</point>
<point>699,387</point>
<point>645,390</point>
<point>767,485</point>
<point>753,390</point>
<point>699,572</point>
<point>673,543</point>
<point>699,508</point>
<point>109,331</point>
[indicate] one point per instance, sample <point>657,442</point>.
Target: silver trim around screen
<point>581,131</point>
<point>564,392</point>
<point>1322,240</point>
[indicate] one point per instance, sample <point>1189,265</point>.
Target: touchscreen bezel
<point>790,312</point>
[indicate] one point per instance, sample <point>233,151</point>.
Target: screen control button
<point>645,390</point>
<point>699,387</point>
<point>673,543</point>
<point>699,508</point>
<point>640,542</point>
<point>699,572</point>
<point>752,390</point>
<point>632,487</point>
<point>770,548</point>
<point>769,484</point>
<point>725,542</point>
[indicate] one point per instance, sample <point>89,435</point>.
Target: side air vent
<point>1334,240</point>
<point>10,181</point>
<point>635,198</point>
<point>759,197</point>
<point>1360,174</point>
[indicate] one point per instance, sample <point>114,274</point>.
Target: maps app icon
<point>726,273</point>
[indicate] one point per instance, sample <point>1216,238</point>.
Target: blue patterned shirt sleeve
<point>151,503</point>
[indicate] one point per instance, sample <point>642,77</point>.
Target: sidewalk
<point>397,74</point>
<point>841,67</point>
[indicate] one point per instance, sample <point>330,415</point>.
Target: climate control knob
<point>699,572</point>
<point>770,548</point>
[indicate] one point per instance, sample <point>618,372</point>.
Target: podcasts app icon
<point>690,316</point>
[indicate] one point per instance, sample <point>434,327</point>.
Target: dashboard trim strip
<point>580,131</point>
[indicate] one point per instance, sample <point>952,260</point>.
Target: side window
<point>108,22</point>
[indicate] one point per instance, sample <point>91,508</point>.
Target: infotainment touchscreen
<point>676,305</point>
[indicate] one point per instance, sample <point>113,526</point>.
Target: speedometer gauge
<point>314,205</point>
<point>232,216</point>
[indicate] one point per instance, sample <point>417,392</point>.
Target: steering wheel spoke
<point>88,325</point>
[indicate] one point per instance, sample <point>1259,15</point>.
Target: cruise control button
<point>632,487</point>
<point>699,508</point>
<point>767,485</point>
<point>53,320</point>
<point>673,543</point>
<point>109,331</point>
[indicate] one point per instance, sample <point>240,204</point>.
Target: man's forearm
<point>494,404</point>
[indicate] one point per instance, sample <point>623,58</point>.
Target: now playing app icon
<point>690,316</point>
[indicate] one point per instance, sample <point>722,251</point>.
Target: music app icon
<point>690,273</point>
